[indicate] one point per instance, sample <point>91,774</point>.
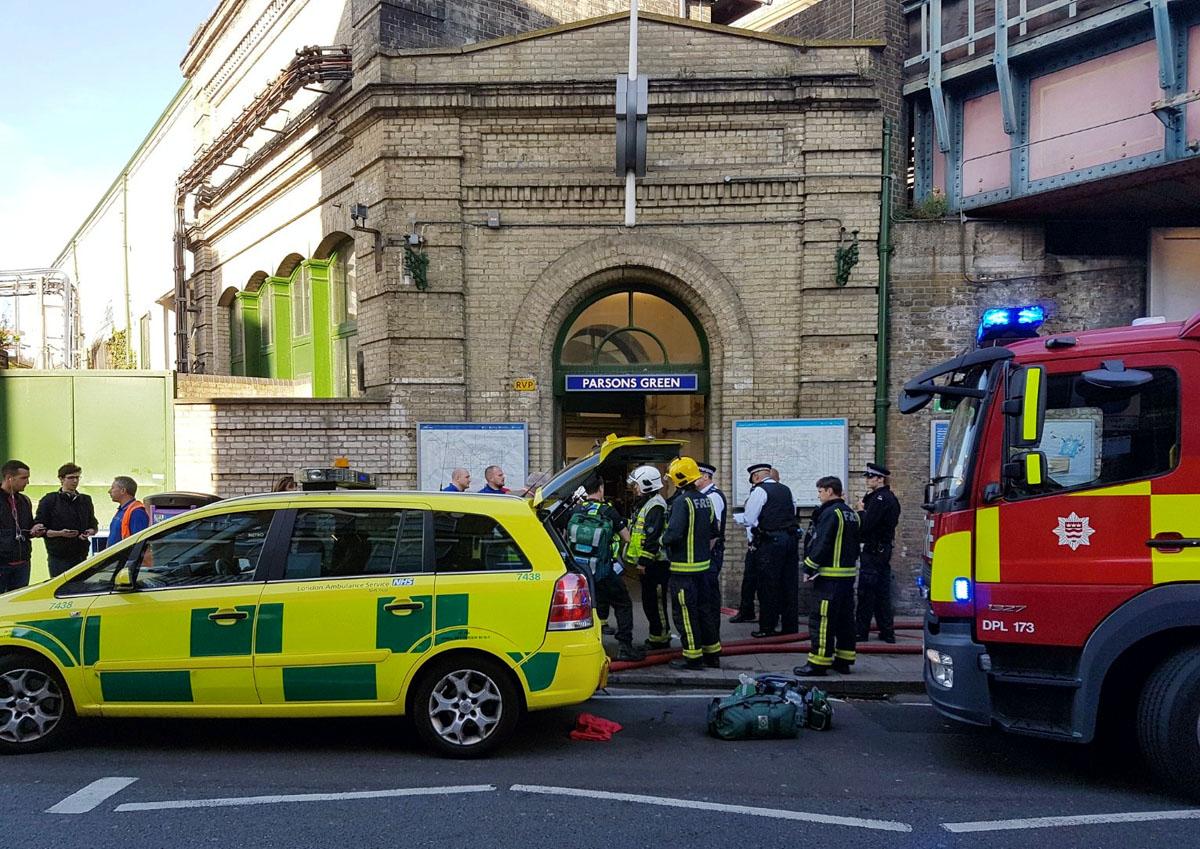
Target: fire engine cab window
<point>467,542</point>
<point>345,543</point>
<point>1099,437</point>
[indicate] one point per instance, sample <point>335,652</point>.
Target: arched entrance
<point>631,360</point>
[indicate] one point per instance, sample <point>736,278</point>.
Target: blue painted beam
<point>941,117</point>
<point>1164,37</point>
<point>1008,103</point>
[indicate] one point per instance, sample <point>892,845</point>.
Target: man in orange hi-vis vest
<point>131,514</point>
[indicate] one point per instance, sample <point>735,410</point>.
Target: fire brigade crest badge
<point>1074,531</point>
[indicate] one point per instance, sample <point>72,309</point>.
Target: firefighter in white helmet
<point>646,553</point>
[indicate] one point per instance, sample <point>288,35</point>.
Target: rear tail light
<point>571,606</point>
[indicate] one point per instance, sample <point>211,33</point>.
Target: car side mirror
<point>123,581</point>
<point>1028,468</point>
<point>1025,406</point>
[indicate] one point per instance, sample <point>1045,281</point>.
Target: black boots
<point>808,670</point>
<point>687,663</point>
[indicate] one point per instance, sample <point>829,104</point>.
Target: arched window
<point>630,331</point>
<point>343,305</point>
<point>632,328</point>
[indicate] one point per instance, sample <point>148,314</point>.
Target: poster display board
<point>444,446</point>
<point>802,449</point>
<point>938,428</point>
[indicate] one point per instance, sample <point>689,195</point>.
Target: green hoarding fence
<point>109,422</point>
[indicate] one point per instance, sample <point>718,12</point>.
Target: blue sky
<point>82,83</point>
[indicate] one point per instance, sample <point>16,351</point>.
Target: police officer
<point>691,527</point>
<point>710,584</point>
<point>645,552</point>
<point>770,517</point>
<point>831,559</point>
<point>879,514</point>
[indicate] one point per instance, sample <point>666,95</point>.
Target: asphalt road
<point>888,775</point>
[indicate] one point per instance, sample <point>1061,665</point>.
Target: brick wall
<point>203,387</point>
<point>945,273</point>
<point>882,19</point>
<point>240,446</point>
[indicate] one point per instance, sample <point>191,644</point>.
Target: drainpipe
<point>125,254</point>
<point>181,298</point>
<point>881,335</point>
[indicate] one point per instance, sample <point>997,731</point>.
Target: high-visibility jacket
<point>833,552</point>
<point>127,519</point>
<point>691,524</point>
<point>645,537</point>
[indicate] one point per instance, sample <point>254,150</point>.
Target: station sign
<point>649,383</point>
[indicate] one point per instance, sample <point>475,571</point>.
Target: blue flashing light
<point>962,589</point>
<point>1010,322</point>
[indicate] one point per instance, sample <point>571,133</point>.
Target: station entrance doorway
<point>631,361</point>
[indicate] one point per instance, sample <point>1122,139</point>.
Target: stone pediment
<point>597,49</point>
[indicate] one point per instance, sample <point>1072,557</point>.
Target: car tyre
<point>1168,721</point>
<point>465,706</point>
<point>36,712</point>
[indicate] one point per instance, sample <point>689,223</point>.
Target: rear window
<point>471,542</point>
<point>356,541</point>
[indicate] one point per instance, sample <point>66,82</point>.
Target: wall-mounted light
<point>358,214</point>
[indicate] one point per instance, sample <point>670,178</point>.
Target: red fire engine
<point>1064,526</point>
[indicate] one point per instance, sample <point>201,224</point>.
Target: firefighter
<point>691,527</point>
<point>830,561</point>
<point>710,585</point>
<point>879,514</point>
<point>645,552</point>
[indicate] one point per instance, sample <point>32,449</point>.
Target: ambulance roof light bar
<point>336,477</point>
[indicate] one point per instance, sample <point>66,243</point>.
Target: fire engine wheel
<point>465,707</point>
<point>35,708</point>
<point>1169,721</point>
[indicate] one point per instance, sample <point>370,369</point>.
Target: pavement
<point>874,676</point>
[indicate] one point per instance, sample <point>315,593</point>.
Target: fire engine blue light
<point>1034,316</point>
<point>962,589</point>
<point>1010,322</point>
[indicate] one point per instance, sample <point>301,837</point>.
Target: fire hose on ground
<point>779,644</point>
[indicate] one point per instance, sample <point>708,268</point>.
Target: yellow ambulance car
<point>458,610</point>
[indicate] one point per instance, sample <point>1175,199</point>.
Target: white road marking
<point>82,801</point>
<point>305,797</point>
<point>1060,822</point>
<point>656,698</point>
<point>691,804</point>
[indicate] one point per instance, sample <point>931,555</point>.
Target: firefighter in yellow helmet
<point>691,527</point>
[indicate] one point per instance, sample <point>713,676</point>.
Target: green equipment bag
<point>816,712</point>
<point>757,716</point>
<point>590,539</point>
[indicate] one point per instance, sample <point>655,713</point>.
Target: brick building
<point>481,150</point>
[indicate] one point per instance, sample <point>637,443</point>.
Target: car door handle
<point>228,616</point>
<point>403,606</point>
<point>1172,542</point>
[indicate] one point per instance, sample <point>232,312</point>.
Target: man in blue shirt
<point>460,479</point>
<point>131,514</point>
<point>494,475</point>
